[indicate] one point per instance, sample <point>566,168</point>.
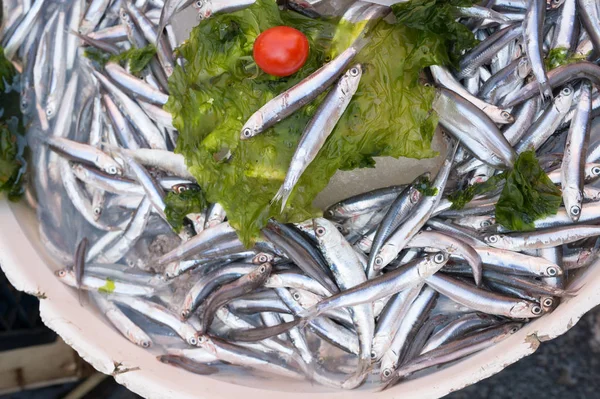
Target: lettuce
<point>12,142</point>
<point>221,87</point>
<point>178,205</point>
<point>528,194</point>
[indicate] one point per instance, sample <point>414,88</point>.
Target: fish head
<point>432,264</point>
<point>326,230</point>
<point>495,240</point>
<point>262,257</point>
<point>563,101</point>
<point>261,273</point>
<point>67,276</point>
<point>385,256</point>
<point>204,8</point>
<point>551,271</point>
<point>351,78</point>
<point>554,4</point>
<point>526,310</point>
<point>548,303</point>
<point>505,117</point>
<point>523,67</point>
<point>26,97</point>
<point>252,126</point>
<point>51,107</point>
<point>592,171</point>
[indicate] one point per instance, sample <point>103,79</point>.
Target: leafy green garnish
<point>181,204</point>
<point>437,17</point>
<point>559,57</point>
<point>7,72</point>
<point>107,288</point>
<point>97,55</point>
<point>528,194</point>
<point>463,197</point>
<point>424,186</point>
<point>12,142</point>
<point>138,58</point>
<point>221,88</point>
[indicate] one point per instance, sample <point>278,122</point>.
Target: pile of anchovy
<point>389,283</point>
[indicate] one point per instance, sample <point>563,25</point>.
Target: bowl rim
<point>138,370</point>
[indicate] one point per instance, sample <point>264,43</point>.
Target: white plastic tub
<point>30,270</point>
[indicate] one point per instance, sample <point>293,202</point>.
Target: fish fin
<point>546,92</point>
<point>283,194</point>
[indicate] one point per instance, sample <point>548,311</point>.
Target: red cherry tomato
<point>281,51</point>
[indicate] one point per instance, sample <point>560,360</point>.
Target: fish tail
<point>282,195</point>
<point>546,92</point>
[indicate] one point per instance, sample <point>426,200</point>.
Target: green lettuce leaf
<point>221,87</point>
<point>437,17</point>
<point>178,205</point>
<point>560,56</point>
<point>12,142</point>
<point>528,195</point>
<point>138,58</point>
<point>463,197</point>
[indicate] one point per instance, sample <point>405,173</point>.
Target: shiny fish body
<point>318,130</point>
<point>572,169</point>
<point>474,129</point>
<point>296,97</point>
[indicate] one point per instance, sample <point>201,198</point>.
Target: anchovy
<point>397,242</point>
<point>572,169</point>
<point>475,130</point>
<point>128,328</point>
<point>483,301</point>
<point>545,238</point>
<point>443,77</point>
<point>298,96</point>
<point>318,130</point>
<point>533,37</point>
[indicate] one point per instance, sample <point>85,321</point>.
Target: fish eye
<point>373,355</point>
<point>329,214</point>
<point>439,258</point>
<point>62,273</point>
<point>199,3</point>
<point>596,170</point>
<point>426,84</point>
<point>493,239</point>
<point>485,223</point>
<point>97,211</point>
<point>262,269</point>
<point>193,341</point>
<point>112,170</point>
<point>514,330</point>
<point>387,373</point>
<point>184,314</point>
<point>296,296</point>
<point>536,310</point>
<point>146,344</point>
<point>551,271</point>
<point>548,302</point>
<point>575,210</point>
<point>566,91</point>
<point>505,115</point>
<point>379,261</point>
<point>49,112</point>
<point>263,258</point>
<point>320,231</point>
<point>247,132</point>
<point>354,71</point>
